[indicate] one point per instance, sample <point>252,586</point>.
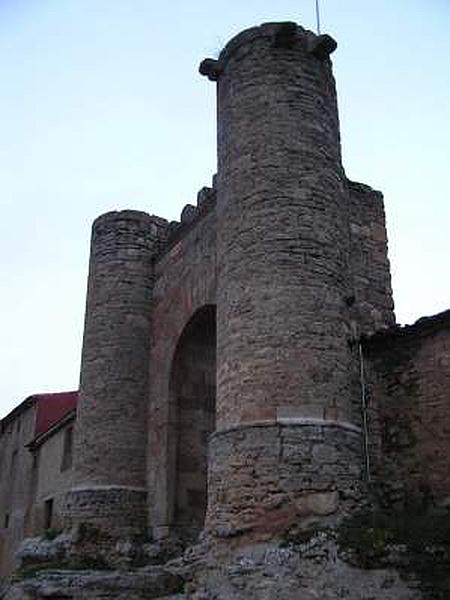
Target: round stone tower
<point>109,489</point>
<point>287,444</point>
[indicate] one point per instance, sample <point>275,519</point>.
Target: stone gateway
<point>251,422</point>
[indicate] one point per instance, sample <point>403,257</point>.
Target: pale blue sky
<point>101,107</point>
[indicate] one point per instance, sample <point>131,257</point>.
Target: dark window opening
<point>35,464</point>
<point>13,475</point>
<point>6,522</point>
<point>34,474</point>
<point>66,461</point>
<point>13,465</point>
<point>48,513</point>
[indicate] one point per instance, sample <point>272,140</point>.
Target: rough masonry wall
<point>185,282</point>
<point>373,307</point>
<point>283,232</point>
<point>408,390</point>
<point>269,479</point>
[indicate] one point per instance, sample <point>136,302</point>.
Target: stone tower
<point>287,431</point>
<point>110,456</point>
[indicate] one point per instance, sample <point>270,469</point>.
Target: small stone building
<point>36,444</point>
<point>242,370</point>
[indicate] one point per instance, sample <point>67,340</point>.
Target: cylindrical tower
<point>286,438</point>
<point>109,488</point>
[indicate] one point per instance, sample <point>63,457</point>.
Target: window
<point>6,522</point>
<point>34,474</point>
<point>13,465</point>
<point>66,461</point>
<point>48,513</point>
<point>13,475</point>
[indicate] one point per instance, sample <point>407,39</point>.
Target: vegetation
<point>416,544</point>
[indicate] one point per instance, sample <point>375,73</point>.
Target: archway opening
<point>193,398</point>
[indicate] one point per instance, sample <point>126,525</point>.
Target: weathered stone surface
<point>307,566</point>
<point>372,308</point>
<point>265,479</point>
<point>110,464</point>
<point>188,214</point>
<point>282,231</point>
<point>409,420</point>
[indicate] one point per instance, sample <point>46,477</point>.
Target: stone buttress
<point>109,469</point>
<point>287,444</point>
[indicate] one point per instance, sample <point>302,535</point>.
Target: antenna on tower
<point>318,17</point>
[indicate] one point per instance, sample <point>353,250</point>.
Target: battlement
<point>190,216</point>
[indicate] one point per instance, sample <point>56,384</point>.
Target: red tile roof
<point>51,408</point>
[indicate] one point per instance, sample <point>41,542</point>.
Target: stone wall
<point>185,283</point>
<point>373,306</point>
<point>408,372</point>
<point>267,479</point>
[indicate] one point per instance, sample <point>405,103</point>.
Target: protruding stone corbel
<point>211,68</point>
<point>322,46</point>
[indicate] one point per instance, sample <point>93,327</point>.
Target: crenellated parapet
<point>190,215</point>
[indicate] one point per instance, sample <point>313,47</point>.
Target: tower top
<point>288,35</point>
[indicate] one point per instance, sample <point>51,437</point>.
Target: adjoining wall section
<point>185,283</point>
<point>408,388</point>
<point>373,306</point>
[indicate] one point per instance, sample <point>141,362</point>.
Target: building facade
<point>36,443</point>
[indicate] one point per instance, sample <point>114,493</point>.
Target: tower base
<point>265,478</point>
<point>116,510</point>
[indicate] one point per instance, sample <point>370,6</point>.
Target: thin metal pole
<point>318,16</point>
<point>364,414</point>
